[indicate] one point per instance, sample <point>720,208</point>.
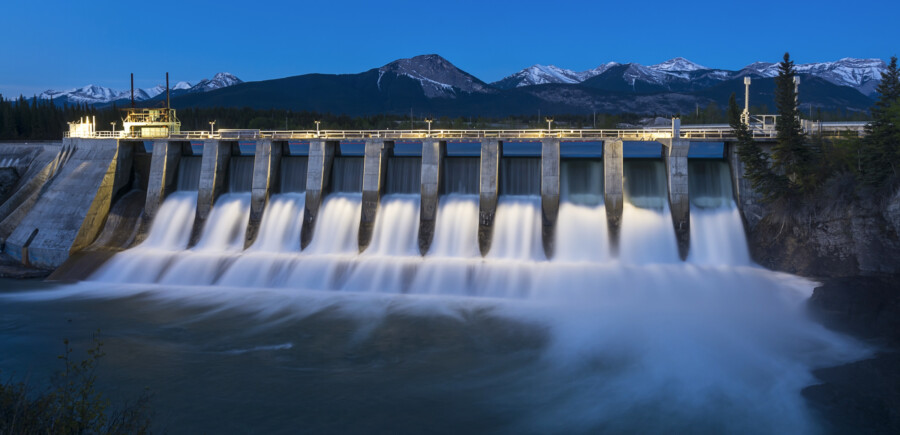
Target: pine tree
<point>880,154</point>
<point>792,157</point>
<point>756,163</point>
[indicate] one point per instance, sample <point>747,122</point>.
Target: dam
<point>100,192</point>
<point>518,279</point>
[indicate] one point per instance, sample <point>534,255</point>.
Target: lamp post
<point>429,121</point>
<point>212,127</point>
<point>113,124</point>
<point>317,127</point>
<point>549,123</point>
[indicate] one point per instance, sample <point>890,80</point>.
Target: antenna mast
<point>132,90</point>
<point>168,106</point>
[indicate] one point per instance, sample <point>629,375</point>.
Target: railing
<point>706,132</point>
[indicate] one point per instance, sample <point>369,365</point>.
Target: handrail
<point>721,131</point>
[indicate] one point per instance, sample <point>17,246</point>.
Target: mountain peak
<point>677,64</point>
<point>438,77</point>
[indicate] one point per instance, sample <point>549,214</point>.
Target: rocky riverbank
<point>863,396</point>
<point>838,233</point>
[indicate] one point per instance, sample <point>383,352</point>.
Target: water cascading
<point>189,173</point>
<point>647,235</point>
<point>240,173</point>
<point>222,238</point>
<point>717,232</point>
<point>581,230</point>
<point>293,174</point>
<point>169,234</point>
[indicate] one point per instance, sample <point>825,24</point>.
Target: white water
<point>169,233</point>
<point>517,229</point>
<point>282,221</point>
<point>456,229</point>
<point>643,343</point>
<point>581,233</point>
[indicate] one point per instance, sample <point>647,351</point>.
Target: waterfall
<point>293,173</point>
<point>404,175</point>
<point>645,183</point>
<point>517,229</point>
<point>282,220</point>
<point>169,233</point>
<point>346,174</point>
<point>709,183</point>
<point>520,176</point>
<point>396,226</point>
<point>189,173</point>
<point>338,225</point>
<point>456,229</point>
<point>240,173</point>
<point>581,181</point>
<point>460,175</point>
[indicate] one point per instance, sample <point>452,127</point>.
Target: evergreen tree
<point>755,161</point>
<point>880,154</point>
<point>791,155</point>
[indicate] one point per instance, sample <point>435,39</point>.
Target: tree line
<point>800,165</point>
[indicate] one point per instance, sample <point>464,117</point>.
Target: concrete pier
<point>613,189</point>
<point>433,152</point>
<point>491,151</point>
<point>39,170</point>
<point>318,178</point>
<point>676,159</point>
<point>73,203</point>
<point>266,167</point>
<point>163,171</point>
<point>213,169</point>
<point>374,169</point>
<point>549,193</point>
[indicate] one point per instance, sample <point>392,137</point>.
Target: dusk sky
<point>66,44</point>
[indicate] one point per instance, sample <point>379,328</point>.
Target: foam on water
<point>640,343</point>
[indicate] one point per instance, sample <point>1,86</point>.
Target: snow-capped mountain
<point>679,73</point>
<point>93,94</point>
<point>861,74</point>
<point>220,80</point>
<point>677,64</point>
<point>438,77</point>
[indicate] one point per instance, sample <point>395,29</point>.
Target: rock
<point>827,237</point>
<point>860,397</point>
<point>865,306</point>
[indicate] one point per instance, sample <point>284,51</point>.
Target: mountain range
<point>430,84</point>
<point>93,94</point>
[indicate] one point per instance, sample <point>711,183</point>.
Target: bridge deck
<point>700,132</point>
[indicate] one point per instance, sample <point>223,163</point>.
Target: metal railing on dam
<point>709,132</point>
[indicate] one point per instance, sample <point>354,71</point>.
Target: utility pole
<point>745,117</point>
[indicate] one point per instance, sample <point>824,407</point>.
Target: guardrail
<point>708,132</point>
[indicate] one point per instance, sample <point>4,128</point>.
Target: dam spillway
<point>636,316</point>
<point>368,205</point>
<point>609,175</point>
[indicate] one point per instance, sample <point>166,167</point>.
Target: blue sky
<point>64,44</point>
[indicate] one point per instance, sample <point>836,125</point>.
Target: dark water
<point>347,174</point>
<point>293,174</point>
<point>404,175</point>
<point>460,175</point>
<point>189,172</point>
<point>240,173</point>
<point>229,360</point>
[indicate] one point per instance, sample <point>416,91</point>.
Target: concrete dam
<point>78,203</point>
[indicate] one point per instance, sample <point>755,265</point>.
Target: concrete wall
<point>491,152</point>
<point>374,169</point>
<point>72,205</point>
<point>213,170</point>
<point>266,167</point>
<point>433,152</point>
<point>549,193</point>
<point>318,178</point>
<point>39,170</point>
<point>676,158</point>
<point>613,189</point>
<point>163,171</point>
